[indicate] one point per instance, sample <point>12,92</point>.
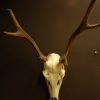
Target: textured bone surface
<point>54,73</point>
<point>52,60</point>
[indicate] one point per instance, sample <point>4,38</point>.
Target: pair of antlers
<point>84,25</point>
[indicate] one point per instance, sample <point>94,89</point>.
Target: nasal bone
<point>54,98</point>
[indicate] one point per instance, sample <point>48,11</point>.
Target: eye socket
<point>58,82</point>
<point>48,82</point>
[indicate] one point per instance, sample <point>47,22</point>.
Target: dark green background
<point>51,23</point>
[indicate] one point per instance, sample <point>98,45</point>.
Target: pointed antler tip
<point>9,9</point>
<point>9,33</point>
<point>5,32</point>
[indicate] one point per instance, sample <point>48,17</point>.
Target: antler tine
<point>83,26</point>
<point>21,33</point>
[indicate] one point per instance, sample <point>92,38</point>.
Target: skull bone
<point>54,73</point>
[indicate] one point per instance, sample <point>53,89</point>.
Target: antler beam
<point>21,33</point>
<point>82,27</point>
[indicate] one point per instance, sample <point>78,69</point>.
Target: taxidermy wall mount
<point>54,64</point>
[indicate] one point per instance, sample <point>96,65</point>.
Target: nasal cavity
<point>54,98</point>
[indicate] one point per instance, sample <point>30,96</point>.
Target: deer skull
<point>54,73</point>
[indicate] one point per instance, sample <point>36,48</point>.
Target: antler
<point>82,27</point>
<point>21,33</point>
